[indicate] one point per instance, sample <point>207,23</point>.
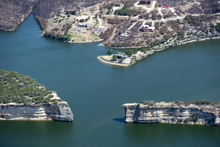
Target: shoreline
<point>163,47</point>
<point>191,40</point>
<point>85,41</point>
<point>112,63</point>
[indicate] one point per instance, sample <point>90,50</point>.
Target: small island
<point>203,112</point>
<point>22,98</point>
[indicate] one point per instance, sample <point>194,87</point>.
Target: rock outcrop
<point>52,111</point>
<point>23,98</point>
<point>172,112</point>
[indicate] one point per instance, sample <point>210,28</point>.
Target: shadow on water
<point>119,120</point>
<point>39,133</point>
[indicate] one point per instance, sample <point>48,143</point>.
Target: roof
<point>166,7</point>
<point>121,54</point>
<point>72,10</point>
<point>142,0</point>
<point>145,26</point>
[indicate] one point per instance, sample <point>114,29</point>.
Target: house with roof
<point>118,4</point>
<point>62,15</point>
<point>126,61</point>
<point>146,28</point>
<point>73,11</point>
<point>145,2</point>
<point>121,55</point>
<point>165,9</point>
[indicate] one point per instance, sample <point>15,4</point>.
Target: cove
<point>95,91</point>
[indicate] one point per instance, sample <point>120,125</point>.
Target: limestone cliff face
<point>51,111</point>
<point>172,113</point>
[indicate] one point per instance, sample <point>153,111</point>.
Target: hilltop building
<point>118,4</point>
<point>73,11</point>
<point>165,9</point>
<point>149,2</point>
<point>146,28</point>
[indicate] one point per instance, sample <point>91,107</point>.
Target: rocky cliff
<point>23,98</point>
<point>52,111</point>
<point>172,112</point>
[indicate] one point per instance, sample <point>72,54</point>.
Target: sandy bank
<point>112,63</point>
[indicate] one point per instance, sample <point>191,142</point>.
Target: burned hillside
<point>13,12</point>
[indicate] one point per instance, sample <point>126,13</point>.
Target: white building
<point>118,4</point>
<point>120,55</point>
<point>127,61</point>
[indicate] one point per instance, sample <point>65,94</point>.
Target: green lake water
<point>95,91</point>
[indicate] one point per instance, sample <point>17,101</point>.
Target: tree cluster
<point>145,15</point>
<point>170,14</point>
<point>197,20</point>
<point>217,27</point>
<point>115,20</point>
<point>42,22</point>
<point>121,44</point>
<point>174,25</point>
<point>210,6</point>
<point>58,36</point>
<point>203,102</point>
<point>18,88</point>
<point>163,30</point>
<point>127,11</point>
<point>107,33</point>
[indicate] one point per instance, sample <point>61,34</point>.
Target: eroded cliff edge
<point>51,111</point>
<point>172,112</point>
<point>23,98</point>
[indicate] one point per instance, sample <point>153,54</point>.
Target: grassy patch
<point>79,39</point>
<point>77,34</point>
<point>18,88</point>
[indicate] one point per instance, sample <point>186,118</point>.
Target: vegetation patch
<point>18,88</point>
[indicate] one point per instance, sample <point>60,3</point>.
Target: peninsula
<point>203,112</point>
<point>22,98</point>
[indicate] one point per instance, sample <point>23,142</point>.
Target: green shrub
<point>186,120</point>
<point>109,52</point>
<point>10,89</point>
<point>50,96</point>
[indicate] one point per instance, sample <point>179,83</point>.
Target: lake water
<point>95,91</point>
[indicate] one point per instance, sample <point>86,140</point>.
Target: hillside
<point>13,12</point>
<point>130,25</point>
<point>18,88</point>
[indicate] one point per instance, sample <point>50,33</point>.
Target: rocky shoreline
<point>181,42</point>
<point>162,47</point>
<point>36,112</point>
<point>172,112</point>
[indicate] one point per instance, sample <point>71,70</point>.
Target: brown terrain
<point>13,12</point>
<point>121,29</point>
